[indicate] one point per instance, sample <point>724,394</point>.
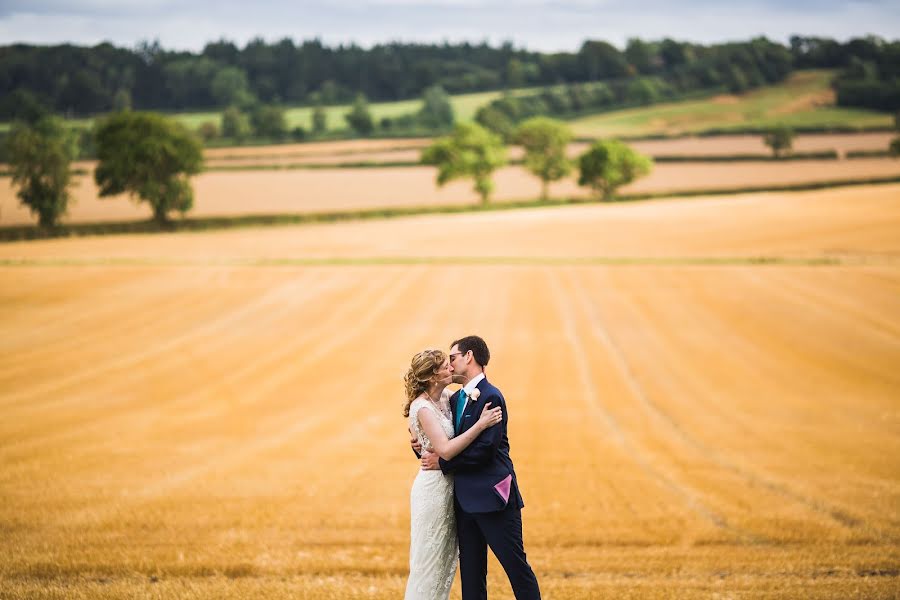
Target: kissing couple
<point>465,498</point>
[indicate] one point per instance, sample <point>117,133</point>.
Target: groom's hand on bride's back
<point>430,462</point>
<point>414,443</point>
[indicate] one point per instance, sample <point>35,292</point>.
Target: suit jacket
<point>485,462</point>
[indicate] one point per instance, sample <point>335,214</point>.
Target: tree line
<point>473,152</point>
<point>79,81</point>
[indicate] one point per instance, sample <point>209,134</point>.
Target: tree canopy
<point>360,118</point>
<point>780,139</point>
<point>545,141</point>
<point>436,111</point>
<point>610,164</point>
<point>40,155</point>
<point>83,81</point>
<point>150,157</point>
<point>470,152</point>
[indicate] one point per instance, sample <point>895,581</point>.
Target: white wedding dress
<point>433,548</point>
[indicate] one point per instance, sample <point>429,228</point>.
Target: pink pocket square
<point>502,488</point>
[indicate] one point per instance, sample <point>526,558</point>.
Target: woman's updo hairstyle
<point>422,368</point>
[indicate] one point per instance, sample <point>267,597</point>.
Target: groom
<point>486,498</point>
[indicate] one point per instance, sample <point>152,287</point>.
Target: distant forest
<point>80,81</point>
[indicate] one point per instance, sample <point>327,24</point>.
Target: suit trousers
<point>502,531</point>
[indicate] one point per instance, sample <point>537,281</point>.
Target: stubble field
<point>703,399</point>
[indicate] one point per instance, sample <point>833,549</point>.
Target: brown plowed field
<point>326,190</point>
<point>208,419</point>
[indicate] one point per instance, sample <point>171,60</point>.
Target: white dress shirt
<point>473,383</point>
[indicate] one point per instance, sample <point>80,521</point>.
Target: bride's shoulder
<point>416,404</point>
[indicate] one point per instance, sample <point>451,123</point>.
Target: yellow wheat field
<point>217,415</point>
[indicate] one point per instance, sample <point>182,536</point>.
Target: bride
<point>433,548</point>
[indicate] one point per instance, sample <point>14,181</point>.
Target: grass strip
<point>31,232</point>
<point>868,154</point>
<point>680,158</point>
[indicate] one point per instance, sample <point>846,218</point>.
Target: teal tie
<point>460,407</point>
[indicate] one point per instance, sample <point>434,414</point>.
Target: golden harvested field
<point>233,193</point>
<point>217,415</point>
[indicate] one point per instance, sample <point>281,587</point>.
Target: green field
<point>804,100</point>
<point>464,105</point>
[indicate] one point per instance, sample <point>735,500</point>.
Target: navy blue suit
<point>483,517</point>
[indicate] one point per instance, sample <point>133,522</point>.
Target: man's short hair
<point>479,348</point>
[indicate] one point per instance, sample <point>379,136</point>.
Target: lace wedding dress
<point>433,549</point>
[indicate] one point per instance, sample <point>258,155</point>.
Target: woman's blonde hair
<point>422,368</point>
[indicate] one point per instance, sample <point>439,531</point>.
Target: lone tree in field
<point>151,158</point>
<point>545,141</point>
<point>269,122</point>
<point>436,111</point>
<point>235,124</point>
<point>609,164</point>
<point>40,154</point>
<point>319,120</point>
<point>359,118</point>
<point>780,140</point>
<point>471,151</point>
<point>894,147</point>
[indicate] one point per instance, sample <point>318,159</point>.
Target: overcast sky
<point>544,25</point>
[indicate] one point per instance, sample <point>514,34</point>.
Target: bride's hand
<point>490,416</point>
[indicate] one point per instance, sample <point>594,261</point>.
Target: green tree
<point>39,156</point>
<point>609,164</point>
<point>23,105</point>
<point>122,100</point>
<point>150,157</point>
<point>436,111</point>
<point>319,120</point>
<point>208,131</point>
<point>470,152</point>
<point>360,118</point>
<point>495,119</point>
<point>894,148</point>
<point>235,124</point>
<point>229,87</point>
<point>269,122</point>
<point>780,139</point>
<point>545,141</point>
